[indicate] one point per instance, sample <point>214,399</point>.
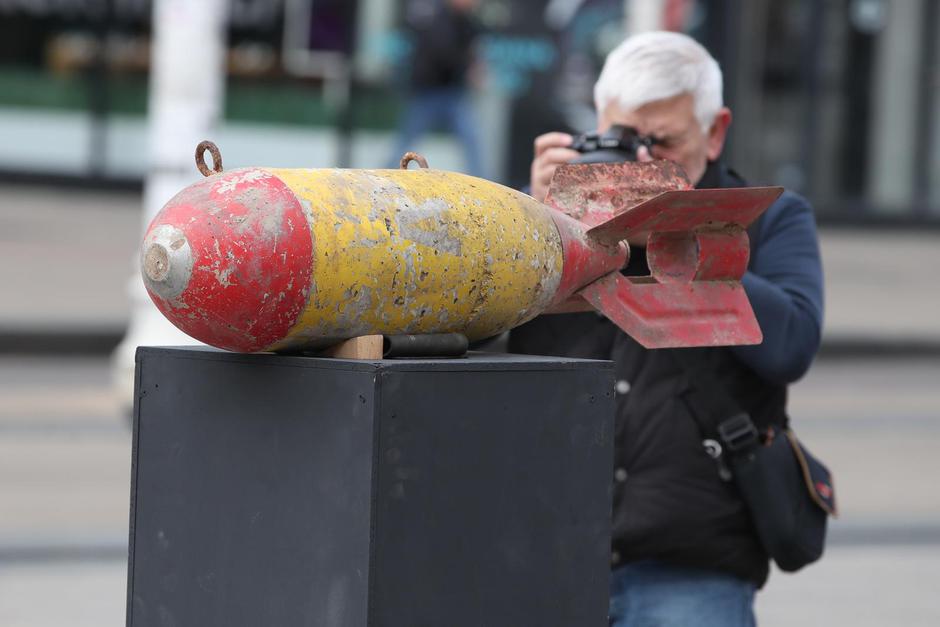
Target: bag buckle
<point>738,433</point>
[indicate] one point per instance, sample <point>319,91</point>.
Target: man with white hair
<point>685,551</point>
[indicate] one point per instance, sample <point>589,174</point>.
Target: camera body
<point>615,145</point>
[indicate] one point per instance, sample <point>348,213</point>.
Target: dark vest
<point>669,502</point>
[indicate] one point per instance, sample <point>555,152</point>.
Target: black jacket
<point>669,502</point>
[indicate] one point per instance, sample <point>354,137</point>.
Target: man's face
<point>673,123</point>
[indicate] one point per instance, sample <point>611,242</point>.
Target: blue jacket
<point>785,286</point>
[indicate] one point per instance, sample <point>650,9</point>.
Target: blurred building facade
<point>837,99</point>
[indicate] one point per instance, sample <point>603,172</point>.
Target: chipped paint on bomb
<point>227,260</point>
<point>421,251</point>
<point>290,259</point>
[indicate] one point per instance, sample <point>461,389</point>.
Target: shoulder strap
<point>719,417</point>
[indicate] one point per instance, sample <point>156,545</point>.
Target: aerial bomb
<point>270,259</point>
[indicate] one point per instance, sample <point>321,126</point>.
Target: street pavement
<point>66,257</point>
<point>65,261</point>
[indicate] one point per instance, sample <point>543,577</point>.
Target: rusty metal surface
<point>707,255</point>
<point>210,147</point>
<point>673,315</point>
<point>689,210</point>
<point>408,157</point>
<point>594,193</point>
<point>697,251</point>
<point>586,259</point>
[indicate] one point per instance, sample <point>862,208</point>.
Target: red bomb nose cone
<point>228,260</point>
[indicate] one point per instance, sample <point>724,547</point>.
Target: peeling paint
<point>236,223</point>
<point>437,251</point>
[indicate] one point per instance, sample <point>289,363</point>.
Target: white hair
<point>658,65</point>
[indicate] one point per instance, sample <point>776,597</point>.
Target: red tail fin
<point>697,251</point>
<point>687,210</point>
<point>704,313</point>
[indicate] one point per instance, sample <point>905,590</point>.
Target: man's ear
<point>715,141</point>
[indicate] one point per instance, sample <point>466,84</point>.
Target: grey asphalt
<point>66,257</point>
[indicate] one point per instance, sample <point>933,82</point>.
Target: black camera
<point>616,144</point>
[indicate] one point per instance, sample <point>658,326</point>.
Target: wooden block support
<point>362,347</point>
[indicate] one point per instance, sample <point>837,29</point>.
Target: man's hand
<point>551,151</point>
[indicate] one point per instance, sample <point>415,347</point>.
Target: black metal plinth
<point>271,490</point>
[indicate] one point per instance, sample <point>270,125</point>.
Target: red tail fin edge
<point>673,315</point>
<point>688,210</point>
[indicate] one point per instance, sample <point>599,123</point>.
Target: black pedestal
<point>271,490</point>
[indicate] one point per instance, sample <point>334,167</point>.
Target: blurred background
<point>836,99</point>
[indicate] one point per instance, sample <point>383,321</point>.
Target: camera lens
<point>616,145</point>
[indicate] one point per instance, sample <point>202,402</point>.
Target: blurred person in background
<point>685,551</point>
<point>443,60</point>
